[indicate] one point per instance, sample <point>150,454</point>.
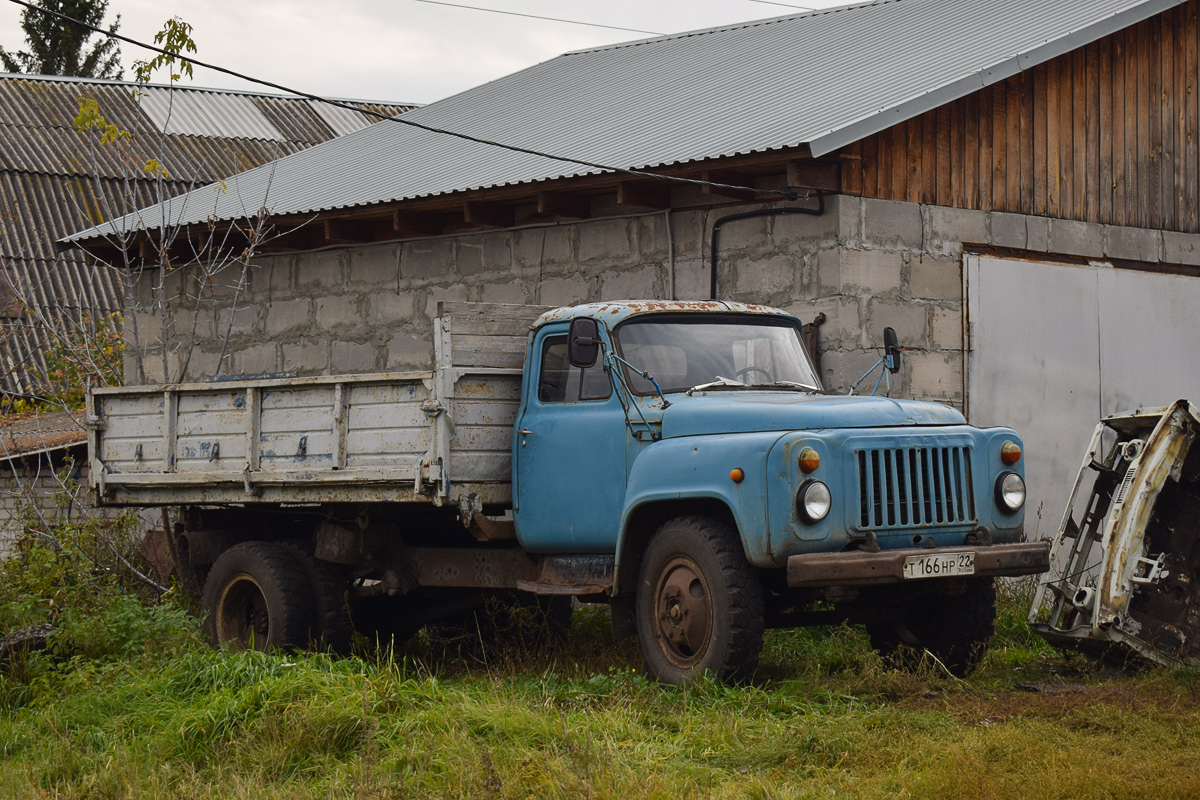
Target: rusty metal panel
<point>856,568</point>
<point>470,567</point>
<point>1126,582</point>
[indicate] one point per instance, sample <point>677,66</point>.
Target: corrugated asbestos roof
<point>826,78</point>
<point>27,434</point>
<point>54,181</point>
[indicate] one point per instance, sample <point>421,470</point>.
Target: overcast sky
<point>397,50</point>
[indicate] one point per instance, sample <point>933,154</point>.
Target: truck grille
<point>915,486</point>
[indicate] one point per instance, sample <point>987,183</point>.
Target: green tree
<point>58,47</point>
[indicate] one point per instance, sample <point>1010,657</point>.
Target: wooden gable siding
<point>1107,133</point>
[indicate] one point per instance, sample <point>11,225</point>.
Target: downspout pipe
<point>762,212</point>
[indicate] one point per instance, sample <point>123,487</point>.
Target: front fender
<point>699,467</point>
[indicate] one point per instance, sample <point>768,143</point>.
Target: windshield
<point>726,351</point>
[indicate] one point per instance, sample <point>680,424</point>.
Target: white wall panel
<point>1034,366</point>
<point>1149,339</point>
<point>1054,347</point>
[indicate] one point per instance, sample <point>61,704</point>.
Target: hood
<point>741,411</point>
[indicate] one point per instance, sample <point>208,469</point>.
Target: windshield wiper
<point>719,382</point>
<point>793,385</point>
<point>730,383</point>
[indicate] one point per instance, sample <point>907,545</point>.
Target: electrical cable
<point>770,3</point>
<point>786,194</point>
<point>535,16</point>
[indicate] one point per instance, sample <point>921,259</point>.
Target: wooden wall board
<point>1107,133</point>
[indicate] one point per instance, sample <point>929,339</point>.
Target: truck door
<point>569,449</point>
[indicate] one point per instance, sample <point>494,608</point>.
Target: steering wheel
<point>747,370</point>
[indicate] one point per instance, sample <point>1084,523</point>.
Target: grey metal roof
<point>52,182</point>
<point>826,78</point>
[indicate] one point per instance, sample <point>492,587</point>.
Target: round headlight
<point>1010,491</point>
<point>813,501</point>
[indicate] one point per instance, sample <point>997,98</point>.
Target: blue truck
<point>677,461</point>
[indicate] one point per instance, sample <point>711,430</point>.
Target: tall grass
<point>126,701</point>
<point>154,713</point>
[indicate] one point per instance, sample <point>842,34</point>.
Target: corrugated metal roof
<point>826,79</point>
<point>53,181</point>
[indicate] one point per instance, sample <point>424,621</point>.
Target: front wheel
<point>699,603</point>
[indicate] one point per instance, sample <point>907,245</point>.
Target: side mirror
<point>583,342</point>
<point>891,350</point>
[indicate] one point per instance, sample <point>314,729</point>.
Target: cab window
<point>559,382</point>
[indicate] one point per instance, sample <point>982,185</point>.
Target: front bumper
<point>858,568</point>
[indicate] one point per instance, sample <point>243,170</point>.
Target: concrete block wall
<point>370,308</point>
<point>865,264</point>
<point>33,483</point>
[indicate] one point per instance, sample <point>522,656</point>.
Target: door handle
<point>524,431</point>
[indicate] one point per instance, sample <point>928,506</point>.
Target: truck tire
<point>257,596</point>
<point>331,628</point>
<point>699,605</point>
<point>954,629</point>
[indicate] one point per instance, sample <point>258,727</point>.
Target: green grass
<point>132,705</point>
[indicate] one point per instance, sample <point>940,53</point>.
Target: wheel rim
<point>683,612</point>
<point>242,617</point>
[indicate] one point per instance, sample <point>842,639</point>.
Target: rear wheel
<point>955,629</point>
<point>699,603</point>
<point>331,628</point>
<point>257,596</point>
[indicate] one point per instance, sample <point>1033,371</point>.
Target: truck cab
<point>704,425</point>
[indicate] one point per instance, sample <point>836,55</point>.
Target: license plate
<point>940,565</point>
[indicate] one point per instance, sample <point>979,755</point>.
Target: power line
<point>535,16</point>
<point>768,2</point>
<point>787,195</point>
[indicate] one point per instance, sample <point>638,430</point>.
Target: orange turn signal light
<point>736,475</point>
<point>1010,453</point>
<point>809,460</point>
